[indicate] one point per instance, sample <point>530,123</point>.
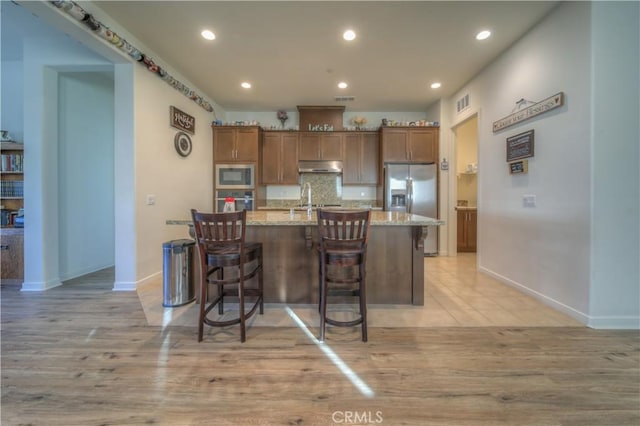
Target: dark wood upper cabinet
<point>409,144</point>
<point>320,146</point>
<point>280,158</point>
<point>361,158</point>
<point>235,144</point>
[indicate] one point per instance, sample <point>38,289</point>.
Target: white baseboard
<point>615,323</point>
<point>133,285</point>
<point>40,286</point>
<point>618,322</point>
<point>124,286</point>
<point>573,313</point>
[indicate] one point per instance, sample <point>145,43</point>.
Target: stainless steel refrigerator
<point>412,188</point>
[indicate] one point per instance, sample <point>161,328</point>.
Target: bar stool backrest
<point>340,228</point>
<point>220,232</point>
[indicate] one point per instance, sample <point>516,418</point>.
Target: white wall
<point>546,250</point>
<point>85,172</point>
<point>144,146</point>
<point>43,58</point>
<point>615,179</point>
<point>178,183</point>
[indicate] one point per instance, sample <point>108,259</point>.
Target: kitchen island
<point>395,258</point>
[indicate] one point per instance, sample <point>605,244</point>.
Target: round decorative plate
<point>183,143</point>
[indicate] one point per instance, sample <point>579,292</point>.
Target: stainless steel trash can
<point>178,273</point>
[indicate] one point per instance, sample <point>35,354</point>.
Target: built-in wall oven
<point>243,199</point>
<point>235,176</point>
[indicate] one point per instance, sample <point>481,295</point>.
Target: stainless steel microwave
<point>235,176</point>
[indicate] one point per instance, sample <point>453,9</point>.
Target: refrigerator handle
<point>410,195</point>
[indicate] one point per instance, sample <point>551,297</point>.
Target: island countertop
<point>285,218</point>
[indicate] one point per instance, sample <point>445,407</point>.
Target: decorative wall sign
<point>546,105</point>
<point>182,142</point>
<point>320,118</point>
<point>518,167</point>
<point>181,120</point>
<point>520,146</point>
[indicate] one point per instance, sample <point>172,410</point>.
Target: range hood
<point>320,166</point>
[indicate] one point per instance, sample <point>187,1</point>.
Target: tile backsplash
<point>326,188</point>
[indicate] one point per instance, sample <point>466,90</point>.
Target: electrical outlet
<point>151,199</point>
<point>528,201</point>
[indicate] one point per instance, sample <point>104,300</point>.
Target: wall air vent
<point>345,98</point>
<point>462,104</point>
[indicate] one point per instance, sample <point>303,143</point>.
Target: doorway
<point>466,185</point>
<point>86,227</point>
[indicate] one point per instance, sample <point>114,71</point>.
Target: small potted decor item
<point>359,122</point>
<point>283,117</point>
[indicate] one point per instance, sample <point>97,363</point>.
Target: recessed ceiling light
<point>343,85</point>
<point>246,85</point>
<point>208,35</point>
<point>436,85</point>
<point>483,35</point>
<point>349,35</point>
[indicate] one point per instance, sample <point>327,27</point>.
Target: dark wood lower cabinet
<point>467,230</point>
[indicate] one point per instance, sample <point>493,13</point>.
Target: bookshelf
<point>11,182</point>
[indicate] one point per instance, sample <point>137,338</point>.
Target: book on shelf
<point>12,189</point>
<point>11,162</point>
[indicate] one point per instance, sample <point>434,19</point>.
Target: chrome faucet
<point>307,186</point>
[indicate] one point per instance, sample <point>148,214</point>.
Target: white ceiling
<point>293,53</point>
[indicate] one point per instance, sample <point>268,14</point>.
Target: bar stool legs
<point>342,238</point>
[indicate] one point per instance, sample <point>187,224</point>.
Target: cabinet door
<point>472,231</point>
<point>246,145</point>
<point>224,145</point>
<point>331,147</point>
<point>352,159</point>
<point>289,160</point>
<point>467,230</point>
<point>309,147</point>
<point>271,147</point>
<point>422,145</point>
<point>394,145</point>
<point>361,158</point>
<point>461,237</point>
<point>370,159</point>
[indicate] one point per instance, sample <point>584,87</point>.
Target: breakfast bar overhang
<point>395,257</point>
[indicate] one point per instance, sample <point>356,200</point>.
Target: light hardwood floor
<point>82,354</point>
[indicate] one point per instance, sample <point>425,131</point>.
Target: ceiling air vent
<point>345,98</point>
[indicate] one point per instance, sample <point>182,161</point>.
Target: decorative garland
<point>78,13</point>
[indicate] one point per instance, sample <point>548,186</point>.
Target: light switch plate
<point>528,200</point>
<point>151,199</point>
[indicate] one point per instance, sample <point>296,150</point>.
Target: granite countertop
<point>284,218</point>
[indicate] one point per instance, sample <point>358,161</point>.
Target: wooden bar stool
<point>226,260</point>
<point>342,244</point>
